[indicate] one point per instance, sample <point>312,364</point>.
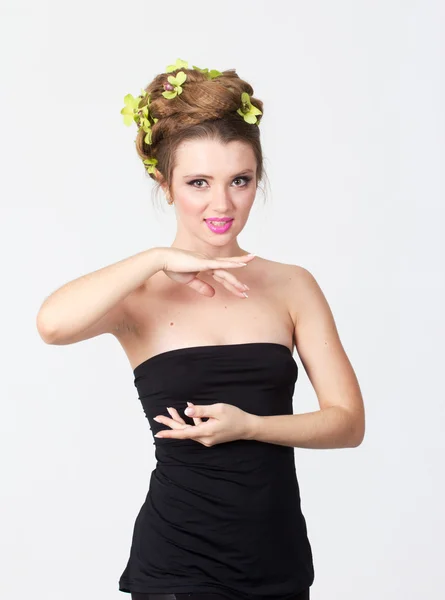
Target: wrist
<point>158,252</point>
<point>253,426</point>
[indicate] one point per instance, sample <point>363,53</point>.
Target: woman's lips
<point>219,225</point>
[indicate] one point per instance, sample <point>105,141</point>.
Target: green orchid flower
<point>176,82</point>
<point>150,164</point>
<point>135,110</point>
<point>179,64</point>
<point>134,107</point>
<point>146,126</point>
<point>144,121</point>
<point>210,74</point>
<point>130,109</point>
<point>247,110</point>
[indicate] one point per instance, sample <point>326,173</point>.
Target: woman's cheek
<point>188,204</point>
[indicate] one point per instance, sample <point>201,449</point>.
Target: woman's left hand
<point>225,423</point>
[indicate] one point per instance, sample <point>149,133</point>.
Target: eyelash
<point>246,179</point>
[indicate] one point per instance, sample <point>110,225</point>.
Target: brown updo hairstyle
<point>205,109</point>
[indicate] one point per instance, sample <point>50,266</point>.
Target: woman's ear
<point>160,179</point>
<point>158,176</point>
<point>164,185</point>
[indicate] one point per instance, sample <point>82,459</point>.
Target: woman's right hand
<point>183,266</point>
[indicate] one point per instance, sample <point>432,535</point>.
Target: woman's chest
<point>169,315</point>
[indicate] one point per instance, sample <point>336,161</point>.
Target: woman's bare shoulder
<point>294,282</point>
<point>289,271</point>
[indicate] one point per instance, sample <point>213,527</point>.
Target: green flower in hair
<point>173,87</point>
<point>210,74</point>
<point>179,64</point>
<point>146,126</point>
<point>150,164</point>
<point>135,110</point>
<point>247,110</point>
<point>130,109</point>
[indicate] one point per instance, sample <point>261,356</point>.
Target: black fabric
<point>227,518</point>
<point>200,596</point>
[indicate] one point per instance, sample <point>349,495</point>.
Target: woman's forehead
<point>213,157</point>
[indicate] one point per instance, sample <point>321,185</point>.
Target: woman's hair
<point>206,109</point>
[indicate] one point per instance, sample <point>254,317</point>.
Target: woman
<point>207,325</point>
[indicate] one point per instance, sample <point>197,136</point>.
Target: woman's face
<point>212,181</point>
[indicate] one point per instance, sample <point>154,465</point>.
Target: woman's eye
<point>243,179</point>
<point>192,183</point>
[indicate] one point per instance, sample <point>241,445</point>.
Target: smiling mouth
<point>218,223</point>
<point>219,226</point>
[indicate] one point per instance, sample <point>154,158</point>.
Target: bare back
<point>164,315</point>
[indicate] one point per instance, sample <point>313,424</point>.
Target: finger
<point>244,258</point>
<point>169,422</point>
<point>204,410</point>
<point>186,432</point>
<point>178,417</point>
<point>201,287</point>
<point>230,262</point>
<point>231,278</point>
<point>230,287</point>
<point>175,415</point>
<point>196,420</point>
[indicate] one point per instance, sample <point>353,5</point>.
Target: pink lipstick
<point>219,224</point>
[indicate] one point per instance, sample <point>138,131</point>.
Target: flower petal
<point>129,100</point>
<point>128,120</point>
<point>180,77</point>
<point>179,64</point>
<point>250,118</point>
<point>169,95</point>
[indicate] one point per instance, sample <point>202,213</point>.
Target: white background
<point>354,141</point>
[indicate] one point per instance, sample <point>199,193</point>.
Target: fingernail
<point>245,294</point>
<point>189,411</point>
<point>156,419</point>
<point>159,434</point>
<point>189,403</point>
<point>246,287</point>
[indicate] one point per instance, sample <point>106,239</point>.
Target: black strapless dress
<point>225,518</point>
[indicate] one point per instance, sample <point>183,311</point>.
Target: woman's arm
<point>330,427</point>
<point>94,303</point>
<point>340,422</point>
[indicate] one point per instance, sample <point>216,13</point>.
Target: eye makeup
<point>246,179</point>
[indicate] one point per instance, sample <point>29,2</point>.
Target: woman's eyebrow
<point>210,177</point>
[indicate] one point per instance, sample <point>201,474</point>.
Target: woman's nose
<point>221,199</point>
